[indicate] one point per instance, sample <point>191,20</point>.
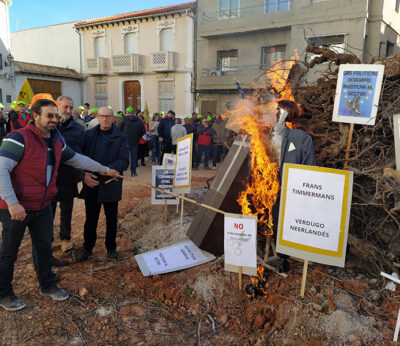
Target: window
<point>389,48</point>
<point>277,5</point>
<point>8,98</point>
<point>227,60</point>
<point>228,9</point>
<point>99,47</point>
<point>166,95</point>
<point>334,42</point>
<point>271,55</point>
<point>100,93</point>
<point>1,62</point>
<point>131,43</point>
<point>167,40</point>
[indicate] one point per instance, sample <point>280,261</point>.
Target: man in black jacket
<point>133,127</point>
<point>68,177</point>
<point>106,144</point>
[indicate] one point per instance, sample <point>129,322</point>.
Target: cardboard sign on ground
<point>183,168</point>
<point>240,239</point>
<point>314,213</point>
<point>163,178</point>
<point>172,258</point>
<point>357,93</point>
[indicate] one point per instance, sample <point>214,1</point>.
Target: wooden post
<point>346,158</point>
<point>165,212</point>
<point>396,331</point>
<point>182,201</point>
<point>267,246</point>
<point>303,279</point>
<point>240,278</point>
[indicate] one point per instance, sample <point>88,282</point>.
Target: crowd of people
<point>48,148</point>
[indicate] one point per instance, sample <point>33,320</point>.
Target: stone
<point>317,307</point>
<point>344,301</point>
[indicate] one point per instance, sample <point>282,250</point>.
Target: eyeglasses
<point>108,117</point>
<point>51,116</point>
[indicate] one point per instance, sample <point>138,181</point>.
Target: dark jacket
<point>15,121</point>
<point>205,135</point>
<point>189,129</point>
<point>68,177</point>
<point>28,178</point>
<point>164,128</point>
<point>3,122</point>
<point>133,127</point>
<point>221,132</point>
<point>116,156</point>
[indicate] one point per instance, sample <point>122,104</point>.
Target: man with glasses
<point>29,162</point>
<point>107,144</point>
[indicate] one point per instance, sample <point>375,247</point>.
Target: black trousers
<point>40,225</point>
<point>92,217</point>
<point>66,207</point>
<point>166,148</point>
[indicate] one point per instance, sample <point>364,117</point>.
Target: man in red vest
<point>18,120</point>
<point>29,161</point>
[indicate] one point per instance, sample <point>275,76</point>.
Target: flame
<point>256,120</point>
<point>258,286</point>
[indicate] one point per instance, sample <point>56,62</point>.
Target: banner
<point>314,213</point>
<point>357,93</point>
<point>25,94</point>
<point>183,168</point>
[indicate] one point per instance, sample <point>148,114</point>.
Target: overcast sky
<point>27,14</point>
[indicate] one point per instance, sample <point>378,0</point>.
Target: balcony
<point>97,65</point>
<point>164,61</point>
<point>127,63</point>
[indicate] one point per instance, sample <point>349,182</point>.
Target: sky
<point>28,14</point>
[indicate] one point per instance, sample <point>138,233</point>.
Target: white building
<point>6,62</point>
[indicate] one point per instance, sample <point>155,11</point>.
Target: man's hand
<point>17,212</point>
<point>160,139</point>
<point>90,179</point>
<point>112,173</point>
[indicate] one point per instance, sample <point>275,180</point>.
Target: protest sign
<point>357,93</point>
<point>314,213</point>
<point>169,160</point>
<point>240,238</point>
<point>183,168</point>
<point>163,178</point>
<point>172,258</point>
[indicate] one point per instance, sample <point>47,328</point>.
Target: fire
<point>263,186</point>
<point>258,286</point>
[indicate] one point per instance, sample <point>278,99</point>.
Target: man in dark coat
<point>133,127</point>
<point>164,133</point>
<point>68,177</point>
<point>106,144</point>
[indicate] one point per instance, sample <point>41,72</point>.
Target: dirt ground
<point>112,303</point>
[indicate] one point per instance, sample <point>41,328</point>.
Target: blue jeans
<point>156,151</point>
<point>40,225</point>
<point>206,149</point>
<point>134,152</point>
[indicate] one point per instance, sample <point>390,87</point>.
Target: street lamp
<point>9,76</point>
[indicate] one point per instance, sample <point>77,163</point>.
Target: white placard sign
<point>240,233</point>
<point>163,178</point>
<point>314,213</point>
<point>183,168</point>
<point>172,258</point>
<point>357,93</point>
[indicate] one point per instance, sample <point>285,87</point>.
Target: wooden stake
<point>240,278</point>
<point>303,279</point>
<point>165,212</point>
<point>267,245</point>
<point>346,158</point>
<point>182,201</point>
<point>396,331</point>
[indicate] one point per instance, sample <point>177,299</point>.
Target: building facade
<point>240,39</point>
<point>140,57</point>
<point>7,77</point>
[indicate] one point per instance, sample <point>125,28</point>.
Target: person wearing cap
<point>133,127</point>
<point>78,119</point>
<point>19,119</point>
<point>162,115</point>
<point>3,123</point>
<point>81,111</point>
<point>164,133</point>
<point>107,144</point>
<point>68,177</point>
<point>177,131</point>
<point>156,149</point>
<point>86,106</point>
<point>29,162</point>
<point>220,139</point>
<point>118,117</point>
<point>205,135</point>
<point>93,122</point>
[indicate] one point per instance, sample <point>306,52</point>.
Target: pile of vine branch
<point>375,212</point>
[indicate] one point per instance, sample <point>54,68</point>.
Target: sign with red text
<point>314,213</point>
<point>240,234</point>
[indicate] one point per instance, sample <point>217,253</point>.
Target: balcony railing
<point>127,63</point>
<point>164,61</point>
<point>97,65</point>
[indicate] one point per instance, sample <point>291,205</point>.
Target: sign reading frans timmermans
<point>314,213</point>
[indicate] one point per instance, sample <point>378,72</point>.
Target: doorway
<point>132,95</point>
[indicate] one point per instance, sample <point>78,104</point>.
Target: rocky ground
<point>112,303</point>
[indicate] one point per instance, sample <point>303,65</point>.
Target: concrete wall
<point>6,86</point>
<point>54,45</point>
<point>4,23</point>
